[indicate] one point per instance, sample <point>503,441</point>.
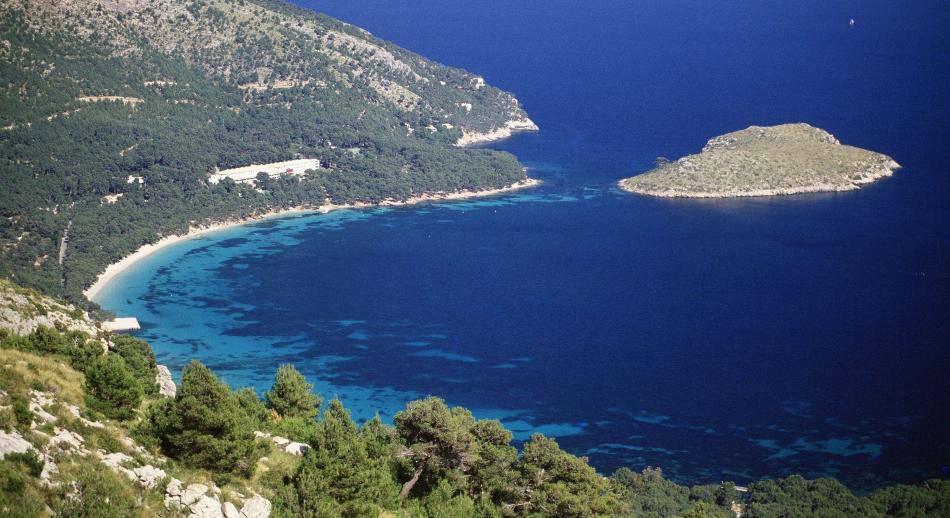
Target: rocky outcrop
<point>765,161</point>
<point>13,442</point>
<point>256,507</point>
<point>147,476</point>
<point>515,125</point>
<point>22,311</point>
<point>200,500</point>
<point>286,445</point>
<point>163,378</point>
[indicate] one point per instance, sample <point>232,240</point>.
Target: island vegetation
<point>764,161</point>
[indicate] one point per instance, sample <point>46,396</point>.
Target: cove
<point>718,339</point>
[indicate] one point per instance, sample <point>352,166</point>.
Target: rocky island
<point>765,161</point>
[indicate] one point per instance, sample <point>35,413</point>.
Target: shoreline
<point>511,127</point>
<point>116,268</point>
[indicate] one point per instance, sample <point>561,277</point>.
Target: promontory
<point>765,161</point>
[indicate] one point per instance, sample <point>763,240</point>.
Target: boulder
<point>174,487</point>
<point>230,511</point>
<point>163,378</point>
<point>67,440</point>
<point>149,476</point>
<point>256,507</point>
<point>206,507</point>
<point>193,493</point>
<point>296,448</point>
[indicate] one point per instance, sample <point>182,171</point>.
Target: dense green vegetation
<point>246,83</point>
<point>434,460</point>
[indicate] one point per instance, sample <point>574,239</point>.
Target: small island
<point>764,161</point>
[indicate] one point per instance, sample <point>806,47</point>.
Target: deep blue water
<point>728,339</point>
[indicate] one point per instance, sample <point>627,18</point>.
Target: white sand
<point>116,268</point>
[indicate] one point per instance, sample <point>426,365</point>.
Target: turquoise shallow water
<point>714,338</point>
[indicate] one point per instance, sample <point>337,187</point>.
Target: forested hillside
<point>113,114</point>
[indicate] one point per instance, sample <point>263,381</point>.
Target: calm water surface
<point>718,339</point>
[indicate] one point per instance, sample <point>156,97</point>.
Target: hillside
<point>765,161</point>
<point>114,113</point>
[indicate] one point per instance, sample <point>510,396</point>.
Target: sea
<point>729,339</point>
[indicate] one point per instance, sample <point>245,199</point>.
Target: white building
<point>248,173</point>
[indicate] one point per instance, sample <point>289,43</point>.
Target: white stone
<point>166,386</point>
<point>49,470</point>
<point>149,476</point>
<point>174,487</point>
<point>13,443</point>
<point>63,437</point>
<point>230,511</point>
<point>256,507</point>
<point>206,507</point>
<point>296,448</point>
<point>193,493</point>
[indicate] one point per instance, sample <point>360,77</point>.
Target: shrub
<point>139,358</point>
<point>21,411</point>
<point>112,388</point>
<point>30,460</point>
<point>93,491</point>
<point>204,426</point>
<point>291,395</point>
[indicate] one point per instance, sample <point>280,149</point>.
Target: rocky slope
<point>765,161</point>
<point>55,428</point>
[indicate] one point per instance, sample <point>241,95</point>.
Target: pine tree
<point>291,395</point>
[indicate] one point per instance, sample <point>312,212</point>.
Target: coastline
<point>114,269</point>
<point>871,177</point>
<point>512,126</point>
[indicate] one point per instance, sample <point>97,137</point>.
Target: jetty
<point>122,325</point>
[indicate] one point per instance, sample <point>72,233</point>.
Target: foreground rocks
<point>205,501</point>
<point>286,445</point>
<point>765,161</point>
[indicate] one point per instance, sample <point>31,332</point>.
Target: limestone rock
<point>230,511</point>
<point>13,442</point>
<point>285,444</point>
<point>67,440</point>
<point>163,378</point>
<point>206,507</point>
<point>149,476</point>
<point>193,493</point>
<point>256,507</point>
<point>22,311</point>
<point>296,448</point>
<point>174,487</point>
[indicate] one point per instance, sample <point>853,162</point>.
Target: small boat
<point>851,23</point>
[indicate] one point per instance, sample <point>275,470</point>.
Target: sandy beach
<point>117,268</point>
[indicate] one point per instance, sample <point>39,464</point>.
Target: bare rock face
<point>230,511</point>
<point>13,442</point>
<point>207,507</point>
<point>765,161</point>
<point>22,311</point>
<point>163,378</point>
